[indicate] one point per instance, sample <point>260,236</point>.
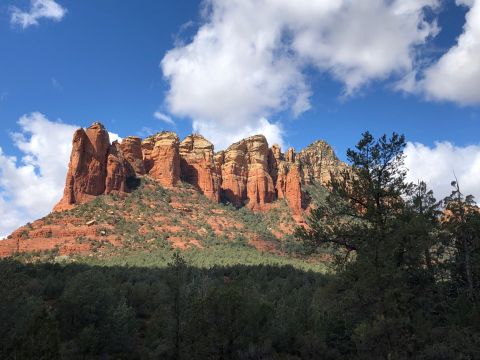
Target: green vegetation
<point>408,267</point>
<point>51,311</point>
<point>404,279</point>
<point>207,258</point>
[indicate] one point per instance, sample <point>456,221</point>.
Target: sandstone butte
<point>248,173</point>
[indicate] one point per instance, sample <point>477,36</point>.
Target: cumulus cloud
<point>32,184</point>
<point>248,59</point>
<point>456,75</point>
<point>163,117</point>
<point>438,165</point>
<point>48,9</point>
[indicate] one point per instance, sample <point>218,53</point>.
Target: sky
<point>295,71</point>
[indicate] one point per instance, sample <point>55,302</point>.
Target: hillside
<point>139,200</point>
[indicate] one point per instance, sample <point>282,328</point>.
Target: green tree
<point>386,223</point>
<point>462,225</point>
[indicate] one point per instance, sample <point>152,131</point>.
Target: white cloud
<point>456,75</point>
<point>114,137</point>
<point>163,117</point>
<point>437,166</point>
<point>48,9</point>
<point>223,137</point>
<point>32,184</point>
<point>249,58</point>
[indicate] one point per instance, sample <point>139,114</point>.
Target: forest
<point>405,284</point>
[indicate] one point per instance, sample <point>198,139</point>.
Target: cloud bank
<point>46,9</point>
<point>438,165</point>
<point>249,58</point>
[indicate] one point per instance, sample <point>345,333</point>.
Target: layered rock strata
<point>248,173</point>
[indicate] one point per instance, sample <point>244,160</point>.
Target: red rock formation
<point>131,148</point>
<point>275,156</point>
<point>319,163</point>
<point>116,172</point>
<point>248,172</point>
<point>290,156</point>
<point>245,173</point>
<point>88,166</point>
<point>163,160</point>
<point>293,190</point>
<point>234,174</point>
<point>260,189</point>
<point>281,181</point>
<point>218,160</point>
<point>277,152</point>
<point>147,148</point>
<point>286,177</point>
<point>198,167</point>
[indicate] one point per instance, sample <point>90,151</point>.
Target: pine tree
<point>386,223</point>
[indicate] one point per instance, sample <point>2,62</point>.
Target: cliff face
<point>248,173</point>
<point>87,170</point>
<point>198,167</point>
<point>318,163</point>
<point>162,159</point>
<point>245,174</point>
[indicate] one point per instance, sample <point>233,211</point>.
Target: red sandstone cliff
<point>197,166</point>
<point>87,170</point>
<point>248,173</point>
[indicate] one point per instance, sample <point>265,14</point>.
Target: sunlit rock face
<point>162,158</point>
<point>248,173</point>
<point>87,169</point>
<point>319,163</point>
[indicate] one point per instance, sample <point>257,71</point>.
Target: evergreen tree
<point>385,222</point>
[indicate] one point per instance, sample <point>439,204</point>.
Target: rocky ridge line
<point>248,173</point>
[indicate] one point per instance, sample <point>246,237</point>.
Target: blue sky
<point>229,69</point>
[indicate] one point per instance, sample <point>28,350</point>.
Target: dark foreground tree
<point>391,244</point>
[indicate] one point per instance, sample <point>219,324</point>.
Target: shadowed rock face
<point>198,167</point>
<point>131,148</point>
<point>248,173</point>
<point>118,170</point>
<point>245,174</point>
<point>286,178</point>
<point>234,174</point>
